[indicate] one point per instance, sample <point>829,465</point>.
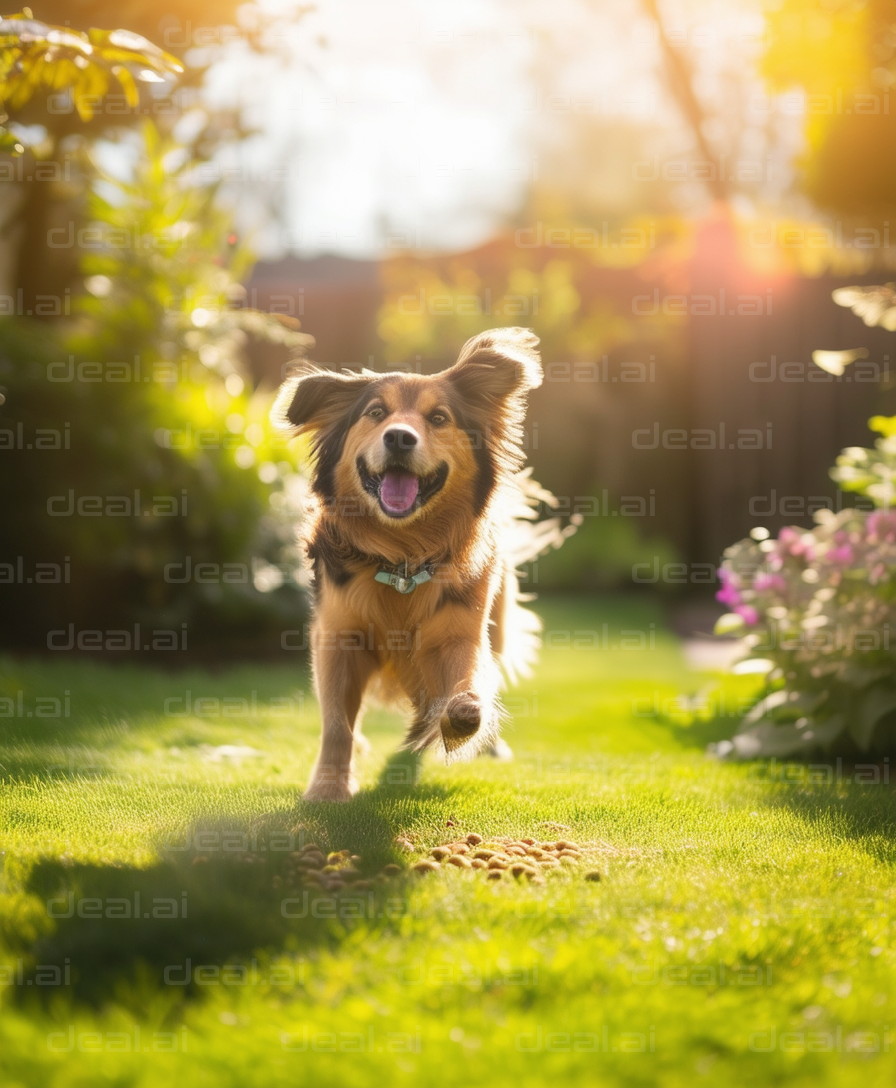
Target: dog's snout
<point>400,438</point>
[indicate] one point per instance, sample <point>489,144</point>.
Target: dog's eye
<point>377,414</point>
<point>437,419</point>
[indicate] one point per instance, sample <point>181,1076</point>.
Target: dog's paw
<point>326,787</point>
<point>499,749</point>
<point>462,717</point>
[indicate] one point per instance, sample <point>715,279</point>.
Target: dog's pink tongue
<point>398,491</point>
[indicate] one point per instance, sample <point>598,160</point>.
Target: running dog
<point>421,515</point>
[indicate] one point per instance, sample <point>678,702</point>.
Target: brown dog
<point>421,517</point>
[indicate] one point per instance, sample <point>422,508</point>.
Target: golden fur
<point>414,474</point>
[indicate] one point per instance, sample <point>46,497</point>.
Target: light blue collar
<point>404,583</point>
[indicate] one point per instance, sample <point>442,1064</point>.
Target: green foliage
<point>816,610</point>
<point>35,56</point>
<point>149,378</point>
<point>842,55</point>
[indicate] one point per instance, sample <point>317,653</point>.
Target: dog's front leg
<point>340,675</point>
<point>460,682</point>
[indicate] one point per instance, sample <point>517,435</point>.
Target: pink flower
<point>843,554</point>
<point>748,614</point>
<point>792,542</point>
<point>769,581</point>
<point>728,594</point>
<point>882,527</point>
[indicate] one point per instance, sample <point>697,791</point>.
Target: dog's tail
<point>517,629</point>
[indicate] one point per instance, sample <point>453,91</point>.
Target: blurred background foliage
<point>171,498</point>
<point>117,244</point>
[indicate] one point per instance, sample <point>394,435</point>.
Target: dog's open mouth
<point>398,491</point>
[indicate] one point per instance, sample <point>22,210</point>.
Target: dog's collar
<point>402,580</point>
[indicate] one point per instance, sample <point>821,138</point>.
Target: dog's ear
<point>313,400</point>
<point>497,365</point>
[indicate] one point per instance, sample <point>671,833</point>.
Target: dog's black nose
<point>400,438</point>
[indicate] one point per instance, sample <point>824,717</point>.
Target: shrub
<point>164,408</point>
<point>817,609</point>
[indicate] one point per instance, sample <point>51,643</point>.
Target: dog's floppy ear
<point>498,364</point>
<point>313,399</point>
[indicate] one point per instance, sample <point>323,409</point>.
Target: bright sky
<point>418,124</point>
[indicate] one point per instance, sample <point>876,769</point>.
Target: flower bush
<point>817,613</point>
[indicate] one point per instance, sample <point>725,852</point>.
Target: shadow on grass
<point>838,799</point>
<point>224,891</point>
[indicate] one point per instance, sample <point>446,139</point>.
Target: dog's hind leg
<point>341,676</point>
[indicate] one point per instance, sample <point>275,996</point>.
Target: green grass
<point>742,932</point>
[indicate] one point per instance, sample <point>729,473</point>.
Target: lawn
<point>741,931</point>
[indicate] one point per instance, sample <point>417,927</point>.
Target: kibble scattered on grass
<point>527,860</point>
<point>426,866</point>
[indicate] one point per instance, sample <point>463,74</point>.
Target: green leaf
<point>128,85</point>
<point>729,624</point>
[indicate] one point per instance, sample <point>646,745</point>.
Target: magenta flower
<point>793,544</point>
<point>881,527</point>
<point>769,581</point>
<point>748,614</point>
<point>728,594</point>
<point>843,554</point>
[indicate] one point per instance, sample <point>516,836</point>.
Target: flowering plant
<point>816,610</point>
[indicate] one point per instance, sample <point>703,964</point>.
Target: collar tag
<point>403,583</point>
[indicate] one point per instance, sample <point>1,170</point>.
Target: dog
<point>421,514</point>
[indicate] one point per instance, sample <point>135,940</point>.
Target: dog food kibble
<point>340,870</point>
<point>426,867</point>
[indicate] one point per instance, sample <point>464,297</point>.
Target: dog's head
<point>403,445</point>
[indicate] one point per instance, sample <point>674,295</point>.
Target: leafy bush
<point>147,384</point>
<point>817,611</point>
